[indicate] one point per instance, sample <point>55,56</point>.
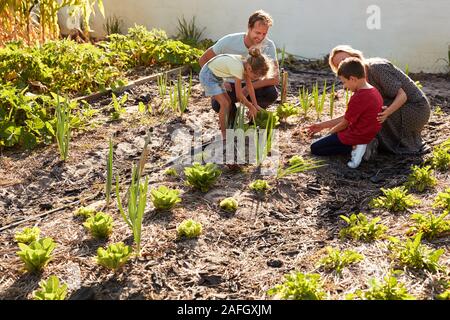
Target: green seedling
<point>299,286</point>
<point>287,110</point>
<point>442,200</point>
<point>117,105</point>
<point>27,235</point>
<point>441,158</point>
<point>51,290</point>
<point>114,257</point>
<point>395,199</point>
<point>390,289</point>
<point>37,254</point>
<point>259,186</point>
<point>360,228</point>
<point>164,198</point>
<point>431,226</point>
<point>421,179</point>
<point>84,212</point>
<point>305,100</point>
<point>229,204</point>
<point>189,229</point>
<point>299,166</point>
<point>99,225</point>
<point>337,260</point>
<point>202,177</point>
<point>171,172</point>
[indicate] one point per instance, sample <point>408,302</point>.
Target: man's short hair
<point>262,16</point>
<point>351,66</point>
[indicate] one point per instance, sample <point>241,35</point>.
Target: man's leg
<point>329,145</point>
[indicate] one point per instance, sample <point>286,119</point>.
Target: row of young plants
<point>408,253</point>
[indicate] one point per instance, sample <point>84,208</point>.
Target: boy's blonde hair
<point>261,64</point>
<point>262,16</point>
<point>347,49</point>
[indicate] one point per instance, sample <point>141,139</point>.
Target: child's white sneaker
<point>357,154</point>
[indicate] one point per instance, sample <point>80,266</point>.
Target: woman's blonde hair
<point>347,49</point>
<point>261,64</point>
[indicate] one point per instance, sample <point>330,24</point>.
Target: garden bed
<point>239,255</point>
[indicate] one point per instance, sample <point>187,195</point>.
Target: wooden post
<point>284,85</point>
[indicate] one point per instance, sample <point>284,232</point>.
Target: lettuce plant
<point>189,229</point>
<point>27,235</point>
<point>430,225</point>
<point>390,289</point>
<point>299,286</point>
<point>287,110</point>
<point>51,290</point>
<point>421,178</point>
<point>115,255</point>
<point>259,185</point>
<point>171,172</point>
<point>441,158</point>
<point>165,198</point>
<point>99,225</point>
<point>229,204</point>
<point>442,200</point>
<point>202,177</point>
<point>360,228</point>
<point>338,260</point>
<point>37,254</point>
<point>84,212</point>
<point>395,199</point>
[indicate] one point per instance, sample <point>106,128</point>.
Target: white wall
<point>413,32</point>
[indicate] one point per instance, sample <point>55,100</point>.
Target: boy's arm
<point>339,127</point>
<point>240,97</point>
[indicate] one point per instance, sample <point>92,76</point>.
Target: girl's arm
<point>240,97</point>
<point>398,102</point>
<point>251,90</point>
<point>340,126</point>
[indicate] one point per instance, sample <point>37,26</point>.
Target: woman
<point>406,109</point>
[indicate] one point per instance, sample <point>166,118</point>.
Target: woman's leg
<point>225,105</point>
<point>330,145</point>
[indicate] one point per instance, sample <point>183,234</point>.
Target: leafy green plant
<point>421,178</point>
<point>360,228</point>
<point>441,158</point>
<point>300,165</point>
<point>37,254</point>
<point>109,172</point>
<point>263,137</point>
<point>171,172</point>
<point>295,160</point>
<point>413,254</point>
<point>183,93</point>
<point>299,286</point>
<point>51,290</point>
<point>162,86</point>
<point>62,115</point>
<point>338,260</point>
<point>114,257</point>
<point>305,100</point>
<point>85,212</point>
<point>137,200</point>
<point>229,204</point>
<point>446,294</point>
<point>262,119</point>
<point>189,32</point>
<point>442,200</point>
<point>202,177</point>
<point>165,198</point>
<point>113,25</point>
<point>390,289</point>
<point>99,225</point>
<point>431,226</point>
<point>319,101</point>
<point>27,235</point>
<point>189,229</point>
<point>117,105</point>
<point>287,110</point>
<point>259,185</point>
<point>394,199</point>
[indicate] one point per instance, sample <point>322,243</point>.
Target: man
<point>239,43</point>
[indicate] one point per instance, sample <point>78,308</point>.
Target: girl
<point>233,67</point>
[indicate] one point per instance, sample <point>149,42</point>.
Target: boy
<point>359,125</point>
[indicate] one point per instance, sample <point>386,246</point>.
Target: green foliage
<point>319,101</point>
<point>84,212</point>
<point>287,110</point>
<point>113,25</point>
<point>137,200</point>
<point>295,160</point>
<point>117,106</point>
<point>27,235</point>
<point>390,289</point>
<point>51,290</point>
<point>162,86</point>
<point>189,229</point>
<point>99,225</point>
<point>171,172</point>
<point>115,255</point>
<point>165,198</point>
<point>202,177</point>
<point>395,199</point>
<point>229,204</point>
<point>413,254</point>
<point>338,260</point>
<point>446,294</point>
<point>189,32</point>
<point>299,286</point>
<point>442,200</point>
<point>299,165</point>
<point>441,158</point>
<point>262,119</point>
<point>259,185</point>
<point>431,226</point>
<point>305,100</point>
<point>37,254</point>
<point>183,93</point>
<point>360,228</point>
<point>62,114</point>
<point>421,178</point>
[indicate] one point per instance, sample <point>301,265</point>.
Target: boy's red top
<point>361,114</point>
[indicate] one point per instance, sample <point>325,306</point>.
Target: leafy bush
<point>390,289</point>
<point>165,198</point>
<point>287,110</point>
<point>442,200</point>
<point>259,185</point>
<point>37,254</point>
<point>413,254</point>
<point>202,177</point>
<point>421,178</point>
<point>395,199</point>
<point>115,255</point>
<point>229,204</point>
<point>360,228</point>
<point>338,260</point>
<point>299,286</point>
<point>51,290</point>
<point>27,235</point>
<point>189,229</point>
<point>99,225</point>
<point>430,225</point>
<point>84,212</point>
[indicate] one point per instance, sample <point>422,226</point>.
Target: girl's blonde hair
<point>261,64</point>
<point>347,49</point>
